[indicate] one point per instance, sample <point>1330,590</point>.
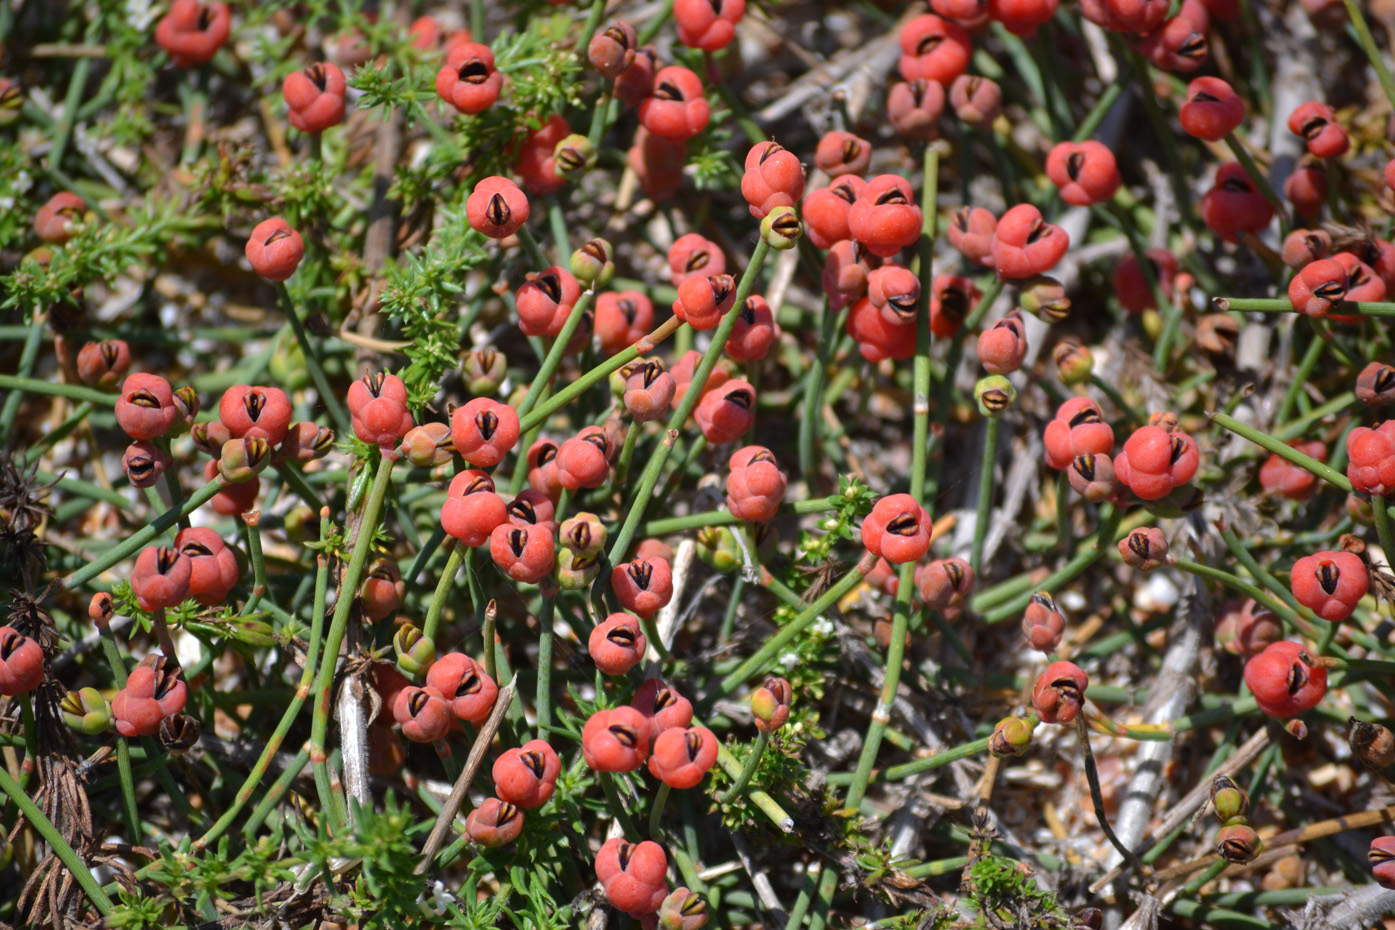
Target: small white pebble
<point>1159,593</point>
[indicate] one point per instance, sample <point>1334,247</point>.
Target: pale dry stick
<point>669,618</point>
<point>354,713</point>
<point>1192,802</point>
<point>467,775</point>
<point>1358,907</point>
<point>1169,697</point>
<point>878,57</point>
<point>760,881</point>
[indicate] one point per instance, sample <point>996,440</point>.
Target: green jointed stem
<point>123,746</point>
<point>1257,176</point>
<point>555,354</point>
<point>72,422</point>
<point>273,745</point>
<point>1368,45</point>
<point>535,252</point>
<point>543,700</point>
<point>656,811</point>
<point>1104,540</point>
<point>141,537</point>
<point>254,555</point>
<point>56,389</point>
<point>747,770</point>
<point>788,633</point>
<point>438,599</point>
<point>1305,462</point>
<point>667,525</point>
<point>312,362</point>
<point>348,593</point>
<point>650,478</point>
<point>28,355</point>
<point>277,791</point>
<point>578,387</point>
<point>985,493</point>
<point>1281,305</point>
<point>814,381</point>
<point>1300,377</point>
<point>60,846</point>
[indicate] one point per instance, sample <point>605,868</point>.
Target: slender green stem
<point>747,770</point>
<point>348,593</point>
<point>1112,392</point>
<point>667,525</point>
<point>1264,440</point>
<point>554,355</point>
<point>254,555</point>
<point>276,793</point>
<point>1373,54</point>
<point>644,346</point>
<point>535,252</point>
<point>273,744</point>
<point>776,644</point>
<point>985,493</point>
<point>656,811</point>
<point>27,357</point>
<point>1104,541</point>
<point>55,389</point>
<point>63,132</point>
<point>62,431</point>
<point>477,21</point>
<point>487,636</point>
<point>1292,429</point>
<point>443,586</point>
<point>1282,305</point>
<point>618,807</point>
<point>1300,377</point>
<point>123,747</point>
<point>627,454</point>
<point>920,375</point>
<point>814,381</point>
<point>1381,504</point>
<point>1257,176</point>
<point>650,478</point>
<point>60,846</point>
<point>312,362</point>
<point>291,474</point>
<point>141,537</point>
<point>543,701</point>
<point>1098,112</point>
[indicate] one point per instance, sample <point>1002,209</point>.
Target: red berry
<point>315,97</point>
<point>756,485</point>
<point>1077,429</point>
<point>54,220</point>
<point>472,510</point>
<point>537,161</point>
<point>494,823</point>
<point>840,153</point>
<point>1317,124</point>
<point>615,740</point>
<point>526,775</point>
<point>649,392</point>
<point>643,585</point>
<point>1306,189</point>
<point>1180,45</point>
<point>1085,172</point>
<point>682,756</point>
<point>103,364</point>
<point>1212,110</point>
<point>21,662</point>
<point>877,338</point>
<point>952,297</point>
<point>633,875</point>
<point>1022,17</point>
<point>971,230</point>
<point>1286,679</point>
<point>692,255</point>
<point>584,460</point>
<point>703,301</point>
<point>898,529</point>
<point>945,584</point>
<point>1043,623</point>
<point>1280,476</point>
<point>754,333</point>
<point>1376,384</point>
<point>1092,477</point>
<point>382,590</point>
<point>915,107</point>
<point>192,32</point>
<point>545,301</point>
<point>145,409</point>
<point>612,52</point>
<point>633,86</point>
<point>464,685</point>
<point>845,271</point>
<point>423,714</point>
<point>726,413</point>
<point>1025,245</point>
<point>622,319</point>
<point>542,469</point>
<point>483,431</point>
<point>933,49</point>
<point>826,210</point>
<point>160,578</point>
<point>709,25</point>
<point>525,555</point>
<point>1330,584</point>
<point>895,291</point>
<point>1131,287</point>
<point>213,567</point>
<point>497,207</point>
<point>617,644</point>
<point>885,218</point>
<point>1381,855</point>
<point>274,250</point>
<point>1233,205</point>
<point>256,412</point>
<point>1371,459</point>
<point>1002,347</point>
<point>468,80</point>
<point>662,706</point>
<point>1059,693</point>
<point>977,100</point>
<point>153,692</point>
<point>657,163</point>
<point>774,178</point>
<point>144,463</point>
<point>676,107</point>
<point>1155,461</point>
